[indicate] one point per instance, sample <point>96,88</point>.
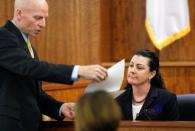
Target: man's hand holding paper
<point>113,82</point>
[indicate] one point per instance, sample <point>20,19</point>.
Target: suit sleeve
<point>15,59</point>
<point>49,106</point>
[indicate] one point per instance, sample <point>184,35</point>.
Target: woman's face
<point>139,71</point>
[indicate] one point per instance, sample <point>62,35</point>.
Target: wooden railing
<point>127,126</point>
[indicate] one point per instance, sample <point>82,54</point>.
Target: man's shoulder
<point>8,29</point>
<point>7,38</point>
<point>3,30</point>
<point>5,33</point>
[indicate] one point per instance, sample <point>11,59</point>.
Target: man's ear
<point>18,14</point>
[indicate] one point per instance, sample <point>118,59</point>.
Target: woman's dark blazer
<point>21,98</point>
<point>160,105</point>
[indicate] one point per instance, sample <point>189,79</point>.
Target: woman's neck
<point>140,92</point>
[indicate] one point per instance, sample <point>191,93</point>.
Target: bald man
<point>22,100</point>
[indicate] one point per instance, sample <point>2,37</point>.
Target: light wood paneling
<point>66,93</point>
<point>179,80</point>
<point>105,31</point>
<point>95,31</point>
<point>2,12</point>
<point>98,31</point>
<point>73,32</point>
<point>6,10</point>
<point>128,30</point>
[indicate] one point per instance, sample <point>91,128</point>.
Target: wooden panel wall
<point>128,34</point>
<point>99,31</point>
<point>66,92</point>
<point>6,9</point>
<point>73,32</point>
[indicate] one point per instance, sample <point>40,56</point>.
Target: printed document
<point>113,82</point>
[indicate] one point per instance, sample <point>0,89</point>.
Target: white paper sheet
<point>113,82</point>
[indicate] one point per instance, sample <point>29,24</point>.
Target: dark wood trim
<point>55,86</point>
<point>162,64</point>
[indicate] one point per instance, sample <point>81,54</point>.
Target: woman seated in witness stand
<point>97,111</point>
<point>145,96</point>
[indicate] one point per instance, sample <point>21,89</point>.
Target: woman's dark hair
<point>157,80</point>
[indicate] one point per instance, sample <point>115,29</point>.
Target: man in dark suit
<point>22,101</point>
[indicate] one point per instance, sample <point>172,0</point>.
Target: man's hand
<point>68,111</point>
<point>93,72</point>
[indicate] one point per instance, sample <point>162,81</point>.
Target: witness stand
<point>127,126</point>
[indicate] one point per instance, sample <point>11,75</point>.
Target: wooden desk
<point>157,126</point>
<point>127,126</point>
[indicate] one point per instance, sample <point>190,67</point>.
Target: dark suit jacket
<point>21,98</point>
<point>159,105</point>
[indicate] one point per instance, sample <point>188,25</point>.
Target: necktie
<point>30,48</point>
